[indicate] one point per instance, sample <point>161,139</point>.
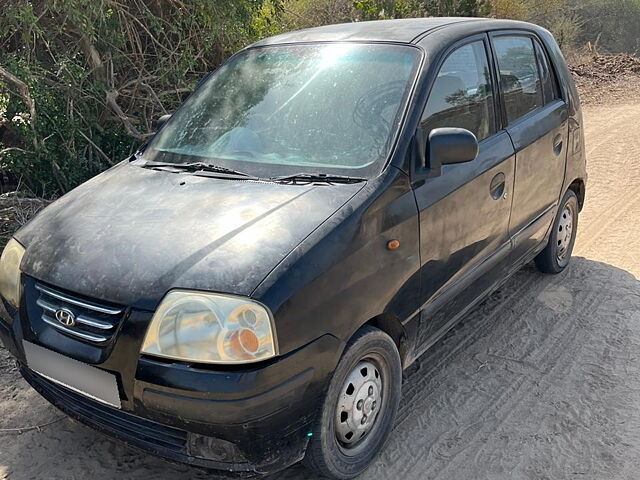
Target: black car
<point>244,292</point>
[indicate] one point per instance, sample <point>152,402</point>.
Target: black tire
<point>556,255</point>
<point>326,455</point>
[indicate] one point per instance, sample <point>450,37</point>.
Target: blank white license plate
<point>80,377</point>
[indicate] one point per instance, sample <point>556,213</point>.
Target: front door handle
<point>496,188</point>
<point>557,144</point>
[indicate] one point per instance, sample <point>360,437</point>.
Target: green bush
<point>613,25</point>
<point>82,82</point>
<point>100,73</point>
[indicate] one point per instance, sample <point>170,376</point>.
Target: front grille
<point>93,322</point>
<point>123,425</point>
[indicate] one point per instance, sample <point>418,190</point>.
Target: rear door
<point>537,122</point>
<point>464,212</point>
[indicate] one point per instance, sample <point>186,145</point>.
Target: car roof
<point>406,30</point>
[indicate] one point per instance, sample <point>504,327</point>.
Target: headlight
<point>210,328</point>
<point>10,272</point>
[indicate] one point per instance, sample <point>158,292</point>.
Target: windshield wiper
<point>298,178</point>
<point>196,167</point>
<point>306,178</point>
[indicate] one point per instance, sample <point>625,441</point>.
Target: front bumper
<point>249,419</point>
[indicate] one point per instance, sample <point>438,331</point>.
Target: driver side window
<point>462,94</point>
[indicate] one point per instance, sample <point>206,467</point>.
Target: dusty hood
<point>131,234</point>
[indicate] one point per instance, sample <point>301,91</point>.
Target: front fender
<point>343,275</point>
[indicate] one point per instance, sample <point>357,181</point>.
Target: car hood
<point>131,234</point>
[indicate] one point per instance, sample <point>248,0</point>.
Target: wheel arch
<point>390,325</point>
<point>579,188</point>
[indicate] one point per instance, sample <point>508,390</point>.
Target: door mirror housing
<point>162,120</point>
<point>447,146</point>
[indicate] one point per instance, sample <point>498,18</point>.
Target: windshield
<point>289,109</point>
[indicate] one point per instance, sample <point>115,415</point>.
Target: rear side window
<point>519,75</point>
<point>462,95</point>
<point>549,81</point>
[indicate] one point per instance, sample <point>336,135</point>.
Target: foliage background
<point>82,83</point>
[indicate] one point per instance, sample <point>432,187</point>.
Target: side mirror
<point>447,146</point>
<point>162,120</point>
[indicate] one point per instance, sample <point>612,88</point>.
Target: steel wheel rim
<point>564,232</point>
<point>360,403</point>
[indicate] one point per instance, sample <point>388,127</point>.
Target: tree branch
<point>93,57</point>
<point>23,90</point>
<point>98,149</point>
<point>112,96</point>
<point>10,149</point>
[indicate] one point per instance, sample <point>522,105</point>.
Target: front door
<point>538,126</point>
<point>464,212</point>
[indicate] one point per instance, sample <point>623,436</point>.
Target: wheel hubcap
<point>359,404</point>
<point>565,232</point>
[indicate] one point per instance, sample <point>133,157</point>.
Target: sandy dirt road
<point>541,381</point>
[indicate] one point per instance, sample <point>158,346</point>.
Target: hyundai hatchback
<point>244,292</point>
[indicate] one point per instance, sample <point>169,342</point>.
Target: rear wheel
<point>556,255</point>
<point>359,409</point>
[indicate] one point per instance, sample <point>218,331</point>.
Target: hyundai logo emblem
<point>66,317</point>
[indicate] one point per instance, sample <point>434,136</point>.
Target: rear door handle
<point>557,144</point>
<point>496,188</point>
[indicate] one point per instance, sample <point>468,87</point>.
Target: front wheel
<point>556,255</point>
<point>359,408</point>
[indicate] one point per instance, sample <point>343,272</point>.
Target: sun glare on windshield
<point>323,106</point>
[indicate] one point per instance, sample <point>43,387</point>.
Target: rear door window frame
<point>515,33</point>
<point>522,33</point>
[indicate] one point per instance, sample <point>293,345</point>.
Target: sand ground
<point>541,381</point>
